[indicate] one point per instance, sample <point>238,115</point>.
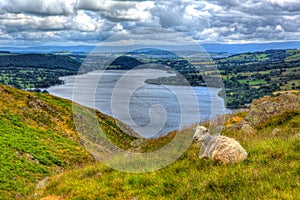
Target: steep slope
<point>271,171</point>
<point>38,139</point>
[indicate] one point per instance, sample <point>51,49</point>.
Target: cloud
<point>118,10</point>
<point>84,23</point>
<point>68,21</point>
<point>40,7</point>
<point>93,5</point>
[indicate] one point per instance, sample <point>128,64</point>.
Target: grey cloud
<point>38,7</point>
<point>203,20</point>
<point>257,20</point>
<point>114,11</point>
<point>103,5</point>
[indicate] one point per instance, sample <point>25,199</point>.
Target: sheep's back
<point>228,150</point>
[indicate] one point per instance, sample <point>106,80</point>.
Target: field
<point>253,75</point>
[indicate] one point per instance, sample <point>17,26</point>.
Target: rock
<point>31,158</point>
<point>28,156</point>
<point>52,197</point>
<point>137,143</point>
<point>41,184</point>
<point>36,161</point>
<point>247,129</point>
<point>276,131</point>
<point>99,175</point>
<point>267,107</point>
<point>297,135</point>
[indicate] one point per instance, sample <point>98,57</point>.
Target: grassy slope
<point>271,171</point>
<point>38,139</point>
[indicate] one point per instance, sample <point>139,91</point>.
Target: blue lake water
<point>149,109</point>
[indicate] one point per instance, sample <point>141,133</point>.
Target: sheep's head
<point>200,133</point>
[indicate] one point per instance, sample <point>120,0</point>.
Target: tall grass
<point>271,171</point>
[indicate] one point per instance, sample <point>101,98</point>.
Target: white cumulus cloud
<point>87,21</point>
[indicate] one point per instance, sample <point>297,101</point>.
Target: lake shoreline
<point>143,99</point>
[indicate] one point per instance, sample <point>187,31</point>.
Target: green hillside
<point>269,131</point>
<point>35,70</point>
<point>38,139</point>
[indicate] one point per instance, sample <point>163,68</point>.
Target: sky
<point>86,22</point>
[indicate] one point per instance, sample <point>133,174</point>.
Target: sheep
<point>221,148</point>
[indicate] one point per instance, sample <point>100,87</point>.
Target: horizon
<point>207,47</point>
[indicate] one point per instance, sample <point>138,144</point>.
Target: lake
<point>151,110</point>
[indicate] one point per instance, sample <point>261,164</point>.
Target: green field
<point>253,83</point>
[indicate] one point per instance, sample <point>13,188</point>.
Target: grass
<point>28,155</point>
<point>256,82</point>
<point>249,57</point>
<point>38,139</point>
<point>293,55</point>
<point>271,171</point>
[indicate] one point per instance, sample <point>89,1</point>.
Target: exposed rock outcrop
<point>268,107</point>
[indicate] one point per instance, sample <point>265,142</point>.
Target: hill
<point>38,139</point>
<point>49,61</point>
<point>124,63</point>
<point>269,131</point>
<point>35,70</point>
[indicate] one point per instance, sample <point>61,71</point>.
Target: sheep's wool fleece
<point>228,150</point>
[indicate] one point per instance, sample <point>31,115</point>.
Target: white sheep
<point>221,148</point>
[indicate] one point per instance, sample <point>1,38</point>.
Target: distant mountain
<point>49,49</point>
<point>252,47</point>
<point>209,47</point>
